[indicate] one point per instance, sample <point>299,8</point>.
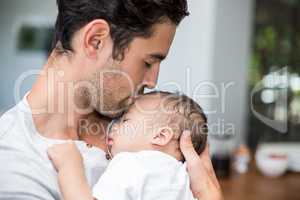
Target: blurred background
<point>240,59</point>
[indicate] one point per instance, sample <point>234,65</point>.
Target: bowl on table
<point>272,164</point>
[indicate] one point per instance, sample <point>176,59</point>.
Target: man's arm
<point>204,183</point>
<point>71,177</point>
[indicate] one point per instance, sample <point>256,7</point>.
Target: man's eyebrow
<point>158,56</point>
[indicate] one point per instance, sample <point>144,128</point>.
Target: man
<point>106,53</point>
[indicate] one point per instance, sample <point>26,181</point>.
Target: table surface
<point>254,186</point>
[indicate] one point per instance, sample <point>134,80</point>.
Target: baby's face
<point>134,130</point>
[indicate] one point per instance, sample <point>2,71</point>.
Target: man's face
<point>116,83</point>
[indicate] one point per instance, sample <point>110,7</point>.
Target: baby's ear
<point>163,136</point>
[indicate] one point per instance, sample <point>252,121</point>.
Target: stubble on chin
<point>113,97</point>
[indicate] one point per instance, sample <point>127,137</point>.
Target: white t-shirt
<point>26,172</point>
<point>146,175</point>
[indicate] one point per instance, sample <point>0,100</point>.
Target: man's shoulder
<point>22,177</point>
<point>8,120</point>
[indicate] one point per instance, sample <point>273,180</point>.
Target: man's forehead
<point>160,40</point>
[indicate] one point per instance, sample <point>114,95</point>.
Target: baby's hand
<point>65,156</point>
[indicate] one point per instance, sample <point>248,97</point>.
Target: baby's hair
<point>183,113</point>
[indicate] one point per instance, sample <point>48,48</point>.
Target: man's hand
<point>65,156</point>
<point>204,183</point>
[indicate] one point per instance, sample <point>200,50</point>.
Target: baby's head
<point>155,122</point>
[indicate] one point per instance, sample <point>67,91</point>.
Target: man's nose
<point>151,77</point>
<point>150,85</point>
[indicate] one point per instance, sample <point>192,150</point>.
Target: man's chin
<point>110,113</point>
<point>114,112</point>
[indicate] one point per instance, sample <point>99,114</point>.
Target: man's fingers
<point>206,160</point>
<point>205,153</point>
<point>200,168</point>
<point>205,157</point>
<point>187,148</point>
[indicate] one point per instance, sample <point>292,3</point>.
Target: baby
<point>147,163</point>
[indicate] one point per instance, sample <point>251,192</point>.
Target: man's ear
<point>96,34</point>
<point>163,136</point>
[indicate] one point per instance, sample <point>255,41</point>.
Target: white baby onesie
<point>146,175</point>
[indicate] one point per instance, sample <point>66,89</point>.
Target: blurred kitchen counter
<point>254,186</point>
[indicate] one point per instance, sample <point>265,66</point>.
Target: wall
<point>214,44</point>
<point>231,60</point>
<point>13,63</point>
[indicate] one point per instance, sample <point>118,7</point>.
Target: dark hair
<point>127,19</point>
